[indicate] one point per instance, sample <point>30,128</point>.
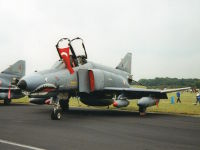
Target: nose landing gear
<point>59,106</point>
<point>56,113</point>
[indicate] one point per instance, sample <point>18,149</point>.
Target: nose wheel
<point>56,114</point>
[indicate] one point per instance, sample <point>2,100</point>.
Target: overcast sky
<point>163,35</point>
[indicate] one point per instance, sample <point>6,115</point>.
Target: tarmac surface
<point>30,127</point>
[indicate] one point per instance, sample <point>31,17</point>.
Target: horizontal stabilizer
<point>175,90</point>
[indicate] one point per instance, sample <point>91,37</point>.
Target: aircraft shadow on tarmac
<point>86,112</point>
<point>108,113</point>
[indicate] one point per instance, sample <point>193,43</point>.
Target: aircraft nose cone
<point>22,84</point>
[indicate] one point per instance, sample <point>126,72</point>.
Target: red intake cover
<point>91,77</point>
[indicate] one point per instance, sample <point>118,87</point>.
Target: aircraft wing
<point>137,93</point>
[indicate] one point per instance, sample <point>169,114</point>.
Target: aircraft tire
<point>7,101</point>
<point>56,114</point>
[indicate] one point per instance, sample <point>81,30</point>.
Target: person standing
<point>198,98</point>
<point>178,94</point>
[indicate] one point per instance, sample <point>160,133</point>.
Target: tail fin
<point>17,69</point>
<point>125,64</point>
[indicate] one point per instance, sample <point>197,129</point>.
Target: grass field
<point>187,106</point>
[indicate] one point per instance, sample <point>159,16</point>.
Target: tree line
<point>170,83</point>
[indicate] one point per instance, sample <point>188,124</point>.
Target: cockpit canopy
<point>77,47</point>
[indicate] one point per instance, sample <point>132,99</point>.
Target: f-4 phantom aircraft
<point>8,81</point>
<point>95,84</point>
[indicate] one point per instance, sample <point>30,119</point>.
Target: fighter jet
<point>8,81</point>
<point>95,84</point>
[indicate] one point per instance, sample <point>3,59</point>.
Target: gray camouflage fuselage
<point>65,82</point>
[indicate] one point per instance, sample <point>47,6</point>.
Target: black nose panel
<point>22,85</point>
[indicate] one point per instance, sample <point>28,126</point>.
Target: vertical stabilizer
<point>17,69</point>
<point>125,64</point>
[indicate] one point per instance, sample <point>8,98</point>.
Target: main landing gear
<point>59,106</point>
<point>142,111</point>
<point>64,104</point>
<point>7,101</point>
